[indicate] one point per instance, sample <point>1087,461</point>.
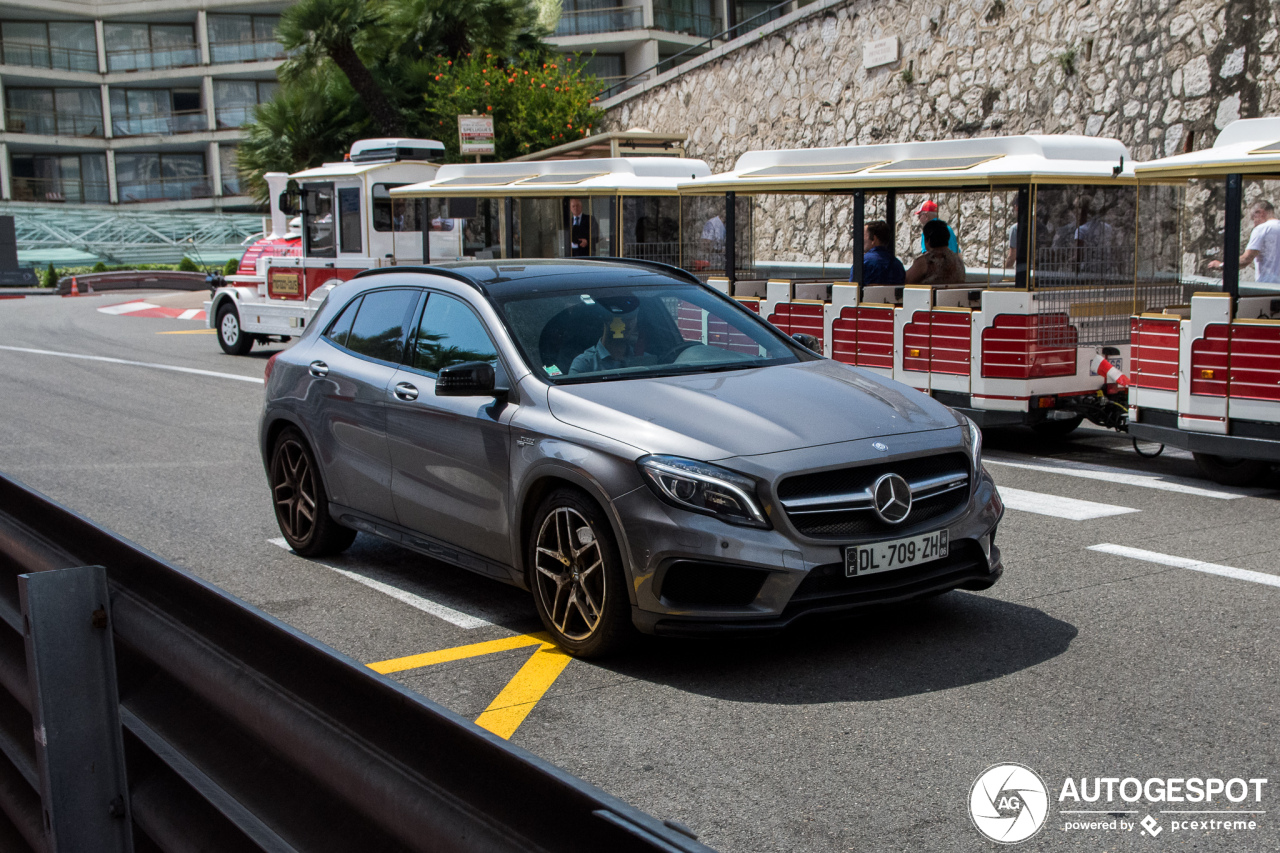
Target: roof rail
<point>440,271</point>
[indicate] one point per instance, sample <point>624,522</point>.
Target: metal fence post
<point>75,710</point>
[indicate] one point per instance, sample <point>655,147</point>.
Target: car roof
<point>502,279</point>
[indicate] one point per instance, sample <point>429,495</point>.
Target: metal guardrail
<point>143,707</point>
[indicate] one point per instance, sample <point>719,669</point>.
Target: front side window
<point>381,324</point>
<point>449,334</point>
<point>661,329</point>
<point>349,220</point>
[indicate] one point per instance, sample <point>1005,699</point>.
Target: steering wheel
<point>671,354</point>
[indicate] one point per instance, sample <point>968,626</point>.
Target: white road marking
<point>1058,507</point>
<point>189,314</point>
<point>426,605</point>
<point>1088,471</point>
<point>127,308</point>
<point>257,380</point>
<point>1185,563</point>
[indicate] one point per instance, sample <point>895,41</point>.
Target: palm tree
<point>453,28</point>
<point>319,30</point>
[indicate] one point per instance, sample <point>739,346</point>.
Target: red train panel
<point>1026,346</point>
<point>800,318</point>
<point>1154,353</point>
<point>1209,361</point>
<point>1255,362</point>
<point>874,336</point>
<point>950,334</point>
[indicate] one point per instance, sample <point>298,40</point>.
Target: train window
<point>349,220</point>
<point>394,214</point>
<point>319,217</point>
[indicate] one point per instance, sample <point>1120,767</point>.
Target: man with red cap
<point>927,211</point>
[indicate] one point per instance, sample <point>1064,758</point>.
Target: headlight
<point>708,489</point>
<point>975,442</point>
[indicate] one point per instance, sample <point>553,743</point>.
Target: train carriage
<point>1206,374</point>
<point>1047,229</point>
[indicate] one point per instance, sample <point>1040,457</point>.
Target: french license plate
<point>898,554</point>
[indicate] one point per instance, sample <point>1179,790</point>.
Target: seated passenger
<point>879,265</point>
<point>617,345</point>
<point>938,265</point>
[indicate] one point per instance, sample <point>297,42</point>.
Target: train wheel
<point>1057,429</point>
<point>1230,471</point>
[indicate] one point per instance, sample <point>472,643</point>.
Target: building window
<point>691,17</point>
<point>161,177</point>
<point>235,100</point>
<point>230,167</point>
<point>54,112</point>
<point>75,178</point>
<point>66,45</point>
<point>588,17</point>
<point>607,67</point>
<point>134,47</point>
<point>244,38</point>
<point>135,112</point>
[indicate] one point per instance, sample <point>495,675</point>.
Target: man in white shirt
<point>1264,244</point>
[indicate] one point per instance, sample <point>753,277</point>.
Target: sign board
<point>475,133</point>
<point>285,283</point>
<point>880,52</point>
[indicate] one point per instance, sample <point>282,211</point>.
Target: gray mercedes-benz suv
<point>633,447</point>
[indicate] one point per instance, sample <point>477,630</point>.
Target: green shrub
<point>231,266</point>
<point>187,265</point>
<point>51,276</point>
<point>99,267</point>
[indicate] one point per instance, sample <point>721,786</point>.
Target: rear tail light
<point>271,363</point>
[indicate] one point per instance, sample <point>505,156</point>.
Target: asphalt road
<point>865,734</point>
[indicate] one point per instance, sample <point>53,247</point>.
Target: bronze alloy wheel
<point>570,574</point>
<point>301,503</point>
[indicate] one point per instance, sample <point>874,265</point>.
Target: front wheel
<point>301,502</point>
<point>576,574</point>
<point>1057,428</point>
<point>231,337</point>
<point>1230,471</point>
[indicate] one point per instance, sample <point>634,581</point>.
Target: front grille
<point>828,584</point>
<point>688,582</point>
<point>837,504</point>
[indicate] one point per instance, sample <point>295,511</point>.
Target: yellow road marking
<point>190,332</point>
<point>505,713</point>
<point>459,653</point>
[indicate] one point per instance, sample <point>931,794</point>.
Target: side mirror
<point>469,379</point>
<point>288,203</point>
<point>807,341</point>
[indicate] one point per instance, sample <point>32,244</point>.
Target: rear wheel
<point>231,337</point>
<point>576,574</point>
<point>301,502</point>
<point>1230,471</point>
<point>1058,428</point>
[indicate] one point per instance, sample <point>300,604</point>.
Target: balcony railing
<point>60,190</point>
<point>45,56</point>
<point>676,21</point>
<point>165,189</point>
<point>232,117</point>
<point>144,59</point>
<point>52,123</point>
<point>593,21</point>
<point>185,121</point>
<point>258,50</point>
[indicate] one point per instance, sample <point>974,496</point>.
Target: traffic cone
<point>1110,373</point>
<point>75,291</point>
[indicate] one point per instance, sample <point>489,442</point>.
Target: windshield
<point>597,334</point>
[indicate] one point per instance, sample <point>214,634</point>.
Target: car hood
<point>747,412</point>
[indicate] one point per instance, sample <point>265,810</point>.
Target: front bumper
<point>797,578</point>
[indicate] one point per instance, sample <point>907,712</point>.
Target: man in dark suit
<point>583,231</point>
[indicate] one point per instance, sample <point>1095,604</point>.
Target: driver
<point>617,345</point>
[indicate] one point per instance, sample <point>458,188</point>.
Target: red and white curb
<point>150,309</point>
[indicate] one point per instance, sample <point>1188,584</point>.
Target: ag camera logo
<point>1008,803</point>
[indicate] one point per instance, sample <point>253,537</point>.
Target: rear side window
<point>382,323</point>
<point>450,334</point>
<point>341,327</point>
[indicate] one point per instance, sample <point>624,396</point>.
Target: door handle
<point>319,368</point>
<point>405,391</point>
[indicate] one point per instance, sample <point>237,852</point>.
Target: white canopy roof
<point>1248,146</point>
<point>926,165</point>
<point>606,176</point>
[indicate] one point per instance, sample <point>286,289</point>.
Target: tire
<point>1230,471</point>
<point>1056,428</point>
<point>231,337</point>
<point>301,502</point>
<point>592,584</point>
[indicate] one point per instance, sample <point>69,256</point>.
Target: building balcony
<point>687,23</point>
<point>229,118</point>
<point>45,56</point>
<point>52,123</point>
<point>593,21</point>
<point>165,189</point>
<point>72,190</point>
<point>146,59</point>
<point>257,50</point>
<point>186,121</point>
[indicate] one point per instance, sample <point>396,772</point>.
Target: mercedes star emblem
<point>880,445</point>
<point>892,498</point>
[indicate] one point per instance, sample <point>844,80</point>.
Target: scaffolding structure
<point>67,235</point>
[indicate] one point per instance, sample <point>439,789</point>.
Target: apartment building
<point>130,103</point>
